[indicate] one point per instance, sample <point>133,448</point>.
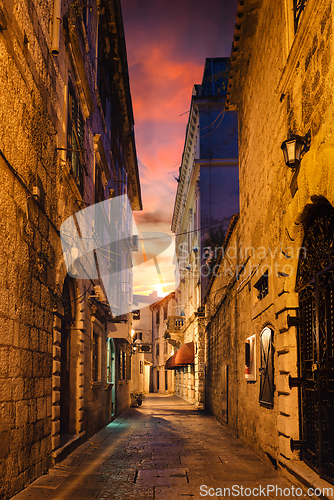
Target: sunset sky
<point>167,43</point>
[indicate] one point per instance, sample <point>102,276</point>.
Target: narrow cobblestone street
<point>164,450</point>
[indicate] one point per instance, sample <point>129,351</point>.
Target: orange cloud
<point>167,43</point>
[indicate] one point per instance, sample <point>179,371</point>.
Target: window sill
<point>264,404</point>
<point>262,306</point>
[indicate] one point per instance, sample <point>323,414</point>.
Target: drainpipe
<point>56,27</point>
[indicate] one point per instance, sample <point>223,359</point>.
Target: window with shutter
<point>75,138</point>
<point>267,388</point>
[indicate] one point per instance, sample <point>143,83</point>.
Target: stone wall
<point>30,246</point>
<point>281,84</point>
<point>38,193</point>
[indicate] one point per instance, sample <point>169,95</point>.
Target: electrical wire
<point>212,131</point>
<point>217,117</point>
<point>164,237</point>
<point>78,298</point>
<point>194,230</point>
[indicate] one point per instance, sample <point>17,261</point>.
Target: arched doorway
<point>315,286</point>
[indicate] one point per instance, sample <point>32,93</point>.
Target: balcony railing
<point>175,324</point>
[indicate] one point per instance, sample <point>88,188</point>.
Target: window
<point>298,9</point>
<point>157,317</point>
<point>103,78</point>
<point>138,336</point>
<point>95,357</point>
<point>165,347</point>
<point>165,311</point>
<point>127,367</point>
<point>99,187</point>
<point>124,180</point>
<point>141,367</point>
<point>110,361</point>
<point>75,138</point>
<point>136,314</point>
<point>267,388</point>
<point>122,365</point>
<point>157,350</point>
<point>262,286</point>
<point>158,381</point>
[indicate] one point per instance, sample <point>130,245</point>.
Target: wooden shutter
<point>266,397</point>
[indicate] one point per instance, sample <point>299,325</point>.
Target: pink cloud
<point>167,43</point>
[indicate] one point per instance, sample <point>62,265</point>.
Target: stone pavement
<point>165,450</point>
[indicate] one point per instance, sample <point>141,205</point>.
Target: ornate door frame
<point>315,285</point>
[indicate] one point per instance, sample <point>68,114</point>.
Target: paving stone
<point>167,477</point>
<point>165,450</point>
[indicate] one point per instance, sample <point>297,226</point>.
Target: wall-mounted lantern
<point>295,148</point>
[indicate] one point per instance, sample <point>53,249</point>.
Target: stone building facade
<point>142,346</point>
<point>66,142</point>
<point>269,308</point>
<point>206,199</point>
<point>162,379</point>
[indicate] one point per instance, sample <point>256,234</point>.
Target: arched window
<point>267,387</point>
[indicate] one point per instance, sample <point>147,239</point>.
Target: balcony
<point>175,324</point>
<point>174,331</point>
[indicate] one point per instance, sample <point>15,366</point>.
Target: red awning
<point>183,357</point>
<point>170,363</point>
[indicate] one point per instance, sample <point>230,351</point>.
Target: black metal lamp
<point>295,148</point>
